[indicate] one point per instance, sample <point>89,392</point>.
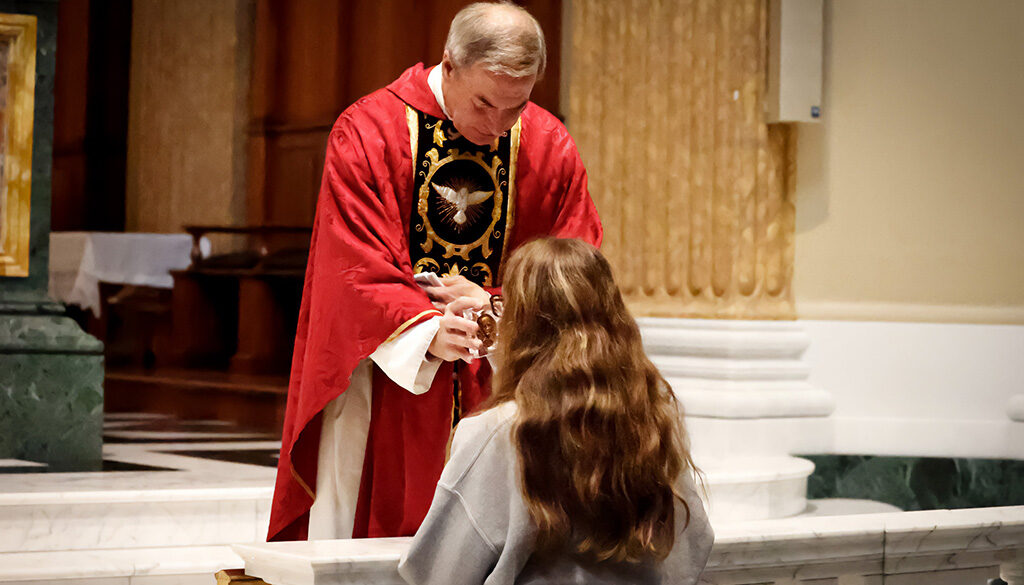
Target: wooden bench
<point>238,311</point>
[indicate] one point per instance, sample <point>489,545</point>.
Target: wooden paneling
<point>91,115</point>
<point>295,162</point>
<point>69,116</point>
<point>313,58</point>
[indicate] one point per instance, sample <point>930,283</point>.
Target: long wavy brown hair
<point>599,434</point>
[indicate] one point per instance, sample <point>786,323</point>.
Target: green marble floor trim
<point>51,391</point>
<point>918,483</point>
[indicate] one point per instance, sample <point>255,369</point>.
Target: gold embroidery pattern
<point>463,198</point>
<point>495,170</point>
<point>510,219</point>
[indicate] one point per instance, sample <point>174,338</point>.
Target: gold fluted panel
<point>666,104</point>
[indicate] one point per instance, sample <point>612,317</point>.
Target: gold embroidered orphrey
<point>464,199</point>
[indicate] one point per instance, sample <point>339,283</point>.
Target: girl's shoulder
<point>490,419</point>
<point>481,440</point>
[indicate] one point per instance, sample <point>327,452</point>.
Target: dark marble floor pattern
<point>918,483</point>
<point>159,430</point>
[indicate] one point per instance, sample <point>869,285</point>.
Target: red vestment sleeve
<point>358,293</point>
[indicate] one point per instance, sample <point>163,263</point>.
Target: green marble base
<point>918,483</point>
<point>51,372</point>
<point>51,389</point>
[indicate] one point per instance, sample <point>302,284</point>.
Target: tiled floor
<point>140,442</point>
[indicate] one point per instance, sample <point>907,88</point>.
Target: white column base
<point>748,406</point>
<point>742,383</point>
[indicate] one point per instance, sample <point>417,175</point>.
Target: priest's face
<point>483,104</point>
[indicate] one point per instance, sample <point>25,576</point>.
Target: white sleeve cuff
<point>404,358</point>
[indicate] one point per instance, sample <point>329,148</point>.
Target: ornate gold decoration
<point>510,217</point>
<point>439,136</point>
<point>461,211</point>
<point>481,268</point>
<point>18,35</point>
<point>451,249</point>
<point>426,264</point>
<point>693,187</point>
<point>453,270</point>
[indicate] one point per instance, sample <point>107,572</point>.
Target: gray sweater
<point>478,529</point>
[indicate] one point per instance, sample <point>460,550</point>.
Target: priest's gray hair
<point>503,37</point>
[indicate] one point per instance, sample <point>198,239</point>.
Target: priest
<point>446,170</point>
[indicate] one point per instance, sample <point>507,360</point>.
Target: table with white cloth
<point>79,261</point>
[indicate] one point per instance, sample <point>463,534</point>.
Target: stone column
<point>666,103</point>
<point>51,372</point>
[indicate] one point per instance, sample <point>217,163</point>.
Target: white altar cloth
<point>79,261</point>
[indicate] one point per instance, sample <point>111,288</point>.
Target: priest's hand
<point>454,287</point>
<point>456,335</point>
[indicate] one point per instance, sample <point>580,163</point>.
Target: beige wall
<point>910,194</point>
<point>189,84</point>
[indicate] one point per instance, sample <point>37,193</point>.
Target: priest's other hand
<point>454,287</point>
<point>456,335</point>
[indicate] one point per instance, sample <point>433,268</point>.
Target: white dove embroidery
<point>461,200</point>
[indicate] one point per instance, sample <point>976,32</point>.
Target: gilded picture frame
<point>17,106</point>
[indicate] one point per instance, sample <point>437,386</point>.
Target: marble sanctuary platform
<point>171,495</point>
<point>168,500</point>
<point>938,547</point>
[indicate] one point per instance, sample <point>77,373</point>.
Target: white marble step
<point>203,502</point>
<point>723,338</point>
<point>192,565</point>
<point>160,509</point>
<point>740,489</point>
<point>133,518</point>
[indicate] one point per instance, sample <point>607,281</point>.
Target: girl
<point>579,469</point>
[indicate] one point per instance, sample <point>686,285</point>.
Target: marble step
<point>187,565</point>
<point>167,497</point>
<point>754,488</point>
<point>737,489</point>
<point>86,520</point>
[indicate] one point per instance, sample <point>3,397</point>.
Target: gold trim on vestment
<point>305,486</point>
<point>401,328</point>
<point>412,118</point>
<point>510,216</point>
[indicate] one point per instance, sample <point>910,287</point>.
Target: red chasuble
<point>375,227</point>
